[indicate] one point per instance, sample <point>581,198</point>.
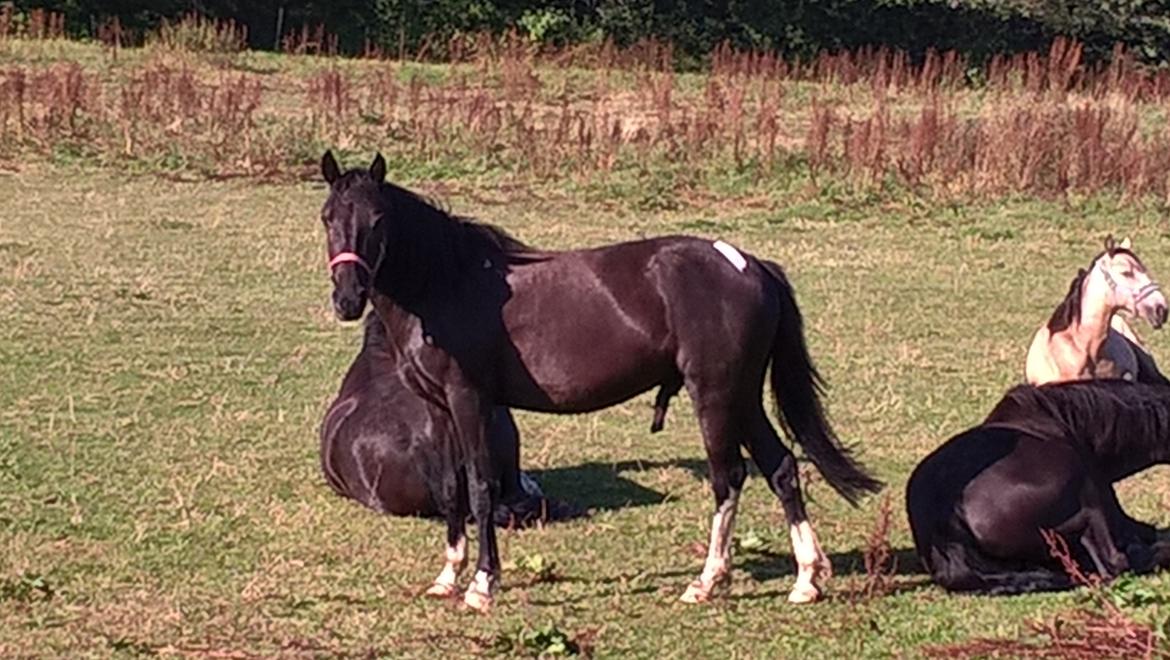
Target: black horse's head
<point>352,220</point>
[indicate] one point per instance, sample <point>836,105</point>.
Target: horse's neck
<point>397,323</point>
<point>1092,328</point>
<point>1133,439</point>
<point>417,276</point>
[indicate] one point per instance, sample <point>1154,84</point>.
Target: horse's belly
<point>577,362</point>
<point>569,383</point>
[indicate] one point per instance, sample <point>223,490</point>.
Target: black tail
<point>798,387</point>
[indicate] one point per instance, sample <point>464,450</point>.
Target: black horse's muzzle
<point>349,304</point>
<point>350,294</point>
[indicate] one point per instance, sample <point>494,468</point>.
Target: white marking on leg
<point>447,583</point>
<point>529,486</point>
<point>733,255</point>
<point>718,565</point>
<point>812,565</point>
<point>481,592</point>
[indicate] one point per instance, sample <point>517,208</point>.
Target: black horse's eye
<point>1127,273</point>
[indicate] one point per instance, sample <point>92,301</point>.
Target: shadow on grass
<point>601,486</point>
<point>764,565</point>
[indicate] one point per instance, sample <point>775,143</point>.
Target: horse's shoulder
<point>1041,363</point>
<point>339,411</point>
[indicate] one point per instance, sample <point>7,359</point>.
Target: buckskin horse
<point>385,447</point>
<point>1046,458</point>
<point>484,320</point>
<point>1086,337</point>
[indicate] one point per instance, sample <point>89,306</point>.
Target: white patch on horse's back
<point>731,254</point>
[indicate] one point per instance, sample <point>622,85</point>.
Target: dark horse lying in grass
<point>1046,458</point>
<point>483,320</point>
<point>385,447</point>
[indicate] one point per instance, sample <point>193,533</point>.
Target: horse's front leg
<point>471,417</point>
<point>454,503</point>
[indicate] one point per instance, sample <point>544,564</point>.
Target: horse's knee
<point>737,474</point>
<point>785,483</point>
<point>727,476</point>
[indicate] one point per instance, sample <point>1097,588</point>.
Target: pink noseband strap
<point>348,258</point>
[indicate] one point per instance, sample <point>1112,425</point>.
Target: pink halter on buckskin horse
<point>1086,338</point>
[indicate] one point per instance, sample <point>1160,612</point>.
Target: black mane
<point>405,201</point>
<point>1100,413</point>
<point>1068,311</point>
<point>429,249</point>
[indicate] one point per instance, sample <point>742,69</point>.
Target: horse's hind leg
<point>778,465</point>
<point>727,473</point>
<point>455,508</point>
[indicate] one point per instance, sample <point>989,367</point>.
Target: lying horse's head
<point>351,216</point>
<point>1130,284</point>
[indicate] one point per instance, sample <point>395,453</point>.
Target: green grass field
<point>168,350</point>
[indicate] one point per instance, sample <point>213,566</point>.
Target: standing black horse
<point>1045,458</point>
<point>485,320</point>
<point>386,447</point>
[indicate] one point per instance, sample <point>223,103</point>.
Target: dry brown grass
<point>36,24</point>
<point>1100,630</point>
<point>1042,124</point>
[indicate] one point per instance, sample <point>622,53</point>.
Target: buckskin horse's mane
<point>1068,311</point>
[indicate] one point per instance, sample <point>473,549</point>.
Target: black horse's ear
<point>329,169</point>
<point>378,168</point>
<point>1110,245</point>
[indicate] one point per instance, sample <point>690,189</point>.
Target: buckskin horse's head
<point>351,216</point>
<point>1130,283</point>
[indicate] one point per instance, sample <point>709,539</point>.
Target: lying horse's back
<point>374,435</point>
<point>949,543</point>
<point>1044,459</point>
<point>385,446</point>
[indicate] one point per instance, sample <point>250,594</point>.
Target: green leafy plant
<point>538,567</point>
<point>26,588</point>
<point>1128,591</point>
<point>543,641</point>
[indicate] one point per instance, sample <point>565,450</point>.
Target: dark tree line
<point>977,27</point>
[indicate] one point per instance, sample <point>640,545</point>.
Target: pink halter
<point>347,258</point>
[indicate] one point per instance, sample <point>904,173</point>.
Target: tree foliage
<point>795,27</point>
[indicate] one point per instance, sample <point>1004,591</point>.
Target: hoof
<point>804,593</point>
<point>824,570</point>
<point>697,592</point>
<point>480,602</point>
<point>441,590</point>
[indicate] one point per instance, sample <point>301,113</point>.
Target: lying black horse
<point>385,447</point>
<point>1046,458</point>
<point>484,320</point>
